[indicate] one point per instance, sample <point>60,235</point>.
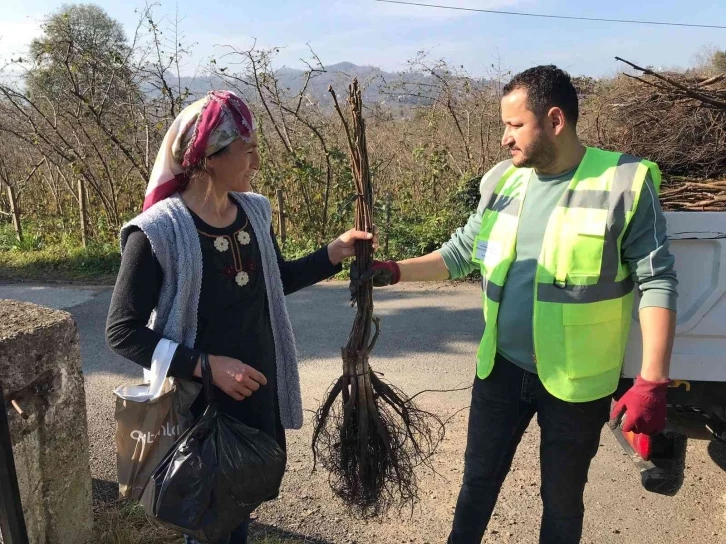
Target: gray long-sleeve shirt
<point>645,250</point>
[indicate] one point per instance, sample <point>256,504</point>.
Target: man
<point>561,235</point>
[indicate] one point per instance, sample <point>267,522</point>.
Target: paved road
<point>428,340</point>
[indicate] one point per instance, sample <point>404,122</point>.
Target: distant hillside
<point>378,85</point>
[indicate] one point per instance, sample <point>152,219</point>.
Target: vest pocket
<point>587,248</point>
<point>593,337</point>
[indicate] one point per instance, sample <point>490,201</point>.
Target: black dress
<point>233,316</point>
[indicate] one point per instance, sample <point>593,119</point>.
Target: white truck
<point>697,396</point>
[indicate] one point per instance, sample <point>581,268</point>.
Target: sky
<point>366,32</point>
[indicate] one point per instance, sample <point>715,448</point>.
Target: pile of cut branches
<point>677,121</point>
<point>684,194</point>
<point>368,434</point>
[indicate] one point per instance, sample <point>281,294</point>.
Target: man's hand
<point>430,267</point>
<point>232,376</point>
<point>382,273</point>
<point>344,246</point>
<point>644,404</point>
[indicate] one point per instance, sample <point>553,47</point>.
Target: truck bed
<point>698,242</point>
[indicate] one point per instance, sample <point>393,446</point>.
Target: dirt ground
<point>428,340</point>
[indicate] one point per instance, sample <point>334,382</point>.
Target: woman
<point>201,267</point>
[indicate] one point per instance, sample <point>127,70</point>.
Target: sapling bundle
<point>368,434</point>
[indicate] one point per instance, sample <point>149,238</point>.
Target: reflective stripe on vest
<point>583,291</point>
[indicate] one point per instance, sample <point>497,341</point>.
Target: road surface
<point>428,339</point>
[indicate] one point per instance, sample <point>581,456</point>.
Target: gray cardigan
<point>174,240</point>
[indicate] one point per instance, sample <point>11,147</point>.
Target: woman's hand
<point>343,247</point>
<point>235,378</point>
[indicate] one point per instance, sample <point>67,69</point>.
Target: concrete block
<point>40,368</point>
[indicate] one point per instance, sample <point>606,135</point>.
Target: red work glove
<point>644,404</point>
<point>382,273</point>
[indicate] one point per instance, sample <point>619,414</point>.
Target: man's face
<point>524,133</point>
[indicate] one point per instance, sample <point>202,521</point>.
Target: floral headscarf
<point>200,130</point>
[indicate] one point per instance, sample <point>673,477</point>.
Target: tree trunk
<point>15,211</point>
<point>84,217</point>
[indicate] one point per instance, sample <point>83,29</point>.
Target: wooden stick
<point>18,409</point>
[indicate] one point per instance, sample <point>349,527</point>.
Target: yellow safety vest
<point>583,292</point>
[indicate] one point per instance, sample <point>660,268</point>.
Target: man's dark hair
<point>547,87</point>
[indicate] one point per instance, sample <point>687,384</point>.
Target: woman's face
<point>236,165</point>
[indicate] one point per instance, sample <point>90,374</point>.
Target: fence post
<point>281,217</point>
<point>15,211</point>
<point>389,201</point>
<point>84,217</point>
<point>12,521</point>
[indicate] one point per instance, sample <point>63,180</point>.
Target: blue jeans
<point>502,407</point>
<point>238,536</point>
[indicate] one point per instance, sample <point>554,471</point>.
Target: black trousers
<point>502,407</point>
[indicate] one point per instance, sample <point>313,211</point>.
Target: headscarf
<point>200,130</point>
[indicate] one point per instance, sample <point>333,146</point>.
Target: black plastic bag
<point>216,474</point>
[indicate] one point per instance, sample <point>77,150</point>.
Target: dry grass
<point>125,522</point>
